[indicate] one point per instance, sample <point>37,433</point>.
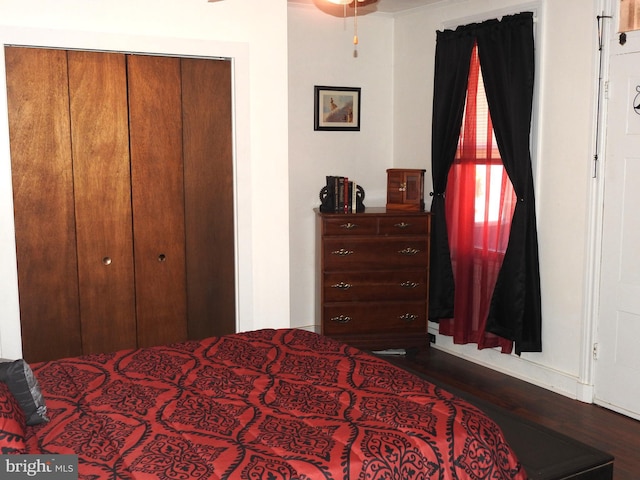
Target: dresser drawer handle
<point>342,252</point>
<point>402,225</point>
<point>409,251</point>
<point>342,286</point>
<point>408,317</point>
<point>349,226</point>
<point>409,284</point>
<point>341,319</point>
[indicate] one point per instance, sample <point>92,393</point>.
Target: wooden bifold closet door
<point>123,199</point>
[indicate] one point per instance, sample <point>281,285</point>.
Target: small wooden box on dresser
<point>373,278</point>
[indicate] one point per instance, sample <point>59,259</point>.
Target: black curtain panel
<point>453,53</point>
<point>506,51</point>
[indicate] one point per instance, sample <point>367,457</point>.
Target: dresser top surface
<point>371,211</point>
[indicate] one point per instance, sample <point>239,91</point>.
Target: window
<point>473,203</point>
<point>479,204</point>
<point>479,171</point>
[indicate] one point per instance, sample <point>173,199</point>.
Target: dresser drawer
<point>350,225</point>
<point>374,253</point>
<point>374,317</point>
<point>378,285</point>
<point>403,225</point>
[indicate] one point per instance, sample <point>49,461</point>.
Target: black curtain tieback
<point>432,194</point>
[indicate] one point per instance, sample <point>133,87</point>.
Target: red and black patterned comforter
<point>264,405</point>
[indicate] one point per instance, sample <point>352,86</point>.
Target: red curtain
<point>479,205</point>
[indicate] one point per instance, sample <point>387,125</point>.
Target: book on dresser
<point>341,195</point>
<point>373,270</point>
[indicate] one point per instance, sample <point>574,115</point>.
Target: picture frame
<point>336,108</point>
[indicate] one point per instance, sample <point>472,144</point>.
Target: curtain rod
<point>481,17</point>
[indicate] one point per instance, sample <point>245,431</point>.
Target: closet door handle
<point>106,261</point>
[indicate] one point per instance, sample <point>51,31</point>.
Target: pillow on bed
<point>12,423</point>
<point>23,384</point>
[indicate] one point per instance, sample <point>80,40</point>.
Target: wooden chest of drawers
<point>373,278</point>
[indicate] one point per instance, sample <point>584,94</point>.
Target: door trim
<point>586,379</point>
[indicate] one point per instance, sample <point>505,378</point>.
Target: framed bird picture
<point>337,108</point>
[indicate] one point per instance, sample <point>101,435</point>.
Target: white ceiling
<point>386,6</point>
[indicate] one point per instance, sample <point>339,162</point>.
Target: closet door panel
<point>209,219</point>
<point>158,198</point>
<point>100,140</point>
<point>43,202</point>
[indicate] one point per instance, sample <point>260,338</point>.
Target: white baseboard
<point>520,368</point>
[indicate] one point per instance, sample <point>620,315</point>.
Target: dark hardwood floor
<point>596,426</point>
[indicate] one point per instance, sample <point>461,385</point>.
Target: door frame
<point>586,378</point>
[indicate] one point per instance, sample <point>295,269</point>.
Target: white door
<point>617,368</point>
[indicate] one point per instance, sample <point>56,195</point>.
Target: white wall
<point>563,127</point>
<point>321,53</point>
<point>254,34</point>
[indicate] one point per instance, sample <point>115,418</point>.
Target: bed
<point>268,405</point>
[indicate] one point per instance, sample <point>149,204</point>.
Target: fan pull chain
<point>355,23</point>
